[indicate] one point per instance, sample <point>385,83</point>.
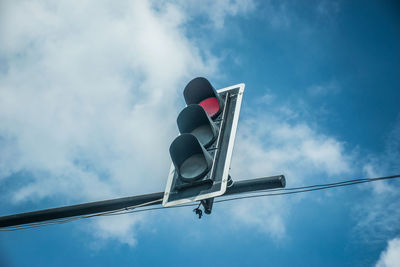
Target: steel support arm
<point>120,203</point>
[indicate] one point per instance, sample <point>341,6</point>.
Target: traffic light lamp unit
<point>201,154</point>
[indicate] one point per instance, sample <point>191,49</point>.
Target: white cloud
<point>117,228</point>
<point>267,98</point>
<point>223,8</point>
<point>280,144</point>
<point>324,89</point>
<point>391,256</point>
<point>378,215</point>
<point>218,11</point>
<point>270,145</point>
<point>88,98</point>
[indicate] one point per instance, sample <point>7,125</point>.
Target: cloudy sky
<point>90,92</point>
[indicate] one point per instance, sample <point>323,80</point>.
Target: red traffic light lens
<point>211,106</point>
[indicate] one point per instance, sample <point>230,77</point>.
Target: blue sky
<point>89,95</point>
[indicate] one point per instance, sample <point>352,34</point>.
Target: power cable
<point>293,190</point>
<point>337,183</point>
<point>256,194</point>
<point>299,190</point>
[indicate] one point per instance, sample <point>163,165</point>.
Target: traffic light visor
<point>200,91</point>
<point>194,119</point>
<point>190,158</point>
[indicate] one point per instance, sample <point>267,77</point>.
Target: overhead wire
<point>275,192</point>
<point>306,189</point>
<point>298,190</point>
<point>337,183</point>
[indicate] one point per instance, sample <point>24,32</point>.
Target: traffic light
<point>201,154</point>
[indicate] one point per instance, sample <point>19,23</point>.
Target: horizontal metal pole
<point>79,209</point>
<point>250,185</point>
<point>120,203</point>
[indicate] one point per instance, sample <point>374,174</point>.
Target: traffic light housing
<point>201,154</point>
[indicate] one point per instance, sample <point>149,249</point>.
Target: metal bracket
<point>207,205</point>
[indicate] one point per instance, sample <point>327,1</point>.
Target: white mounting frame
<point>228,158</point>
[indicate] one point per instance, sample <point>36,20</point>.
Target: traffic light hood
<point>189,157</point>
<point>193,119</point>
<point>200,91</point>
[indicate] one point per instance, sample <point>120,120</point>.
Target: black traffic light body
<point>201,154</point>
